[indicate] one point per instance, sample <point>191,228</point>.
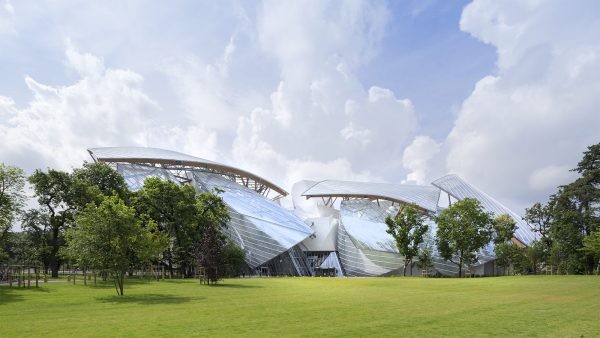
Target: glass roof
<point>143,152</point>
<point>459,189</point>
<point>249,203</point>
<point>425,197</point>
<point>169,157</point>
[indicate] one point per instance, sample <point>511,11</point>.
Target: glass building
<point>345,236</point>
<point>363,246</point>
<point>266,232</point>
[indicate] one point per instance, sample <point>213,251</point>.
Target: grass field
<point>567,306</point>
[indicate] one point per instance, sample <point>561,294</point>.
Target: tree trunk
<point>404,268</point>
<point>460,264</point>
<point>121,284</point>
<point>54,262</point>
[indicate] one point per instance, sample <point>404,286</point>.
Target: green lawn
<point>567,306</point>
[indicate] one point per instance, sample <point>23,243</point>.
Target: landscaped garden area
<point>566,306</point>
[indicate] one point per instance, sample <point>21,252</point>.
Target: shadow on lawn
<point>234,286</point>
<point>147,299</point>
<point>16,294</point>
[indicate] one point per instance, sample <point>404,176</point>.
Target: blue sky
<point>503,94</point>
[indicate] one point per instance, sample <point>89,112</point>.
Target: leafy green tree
<point>36,229</point>
<point>105,180</point>
<point>504,228</point>
<point>59,195</point>
<point>407,229</point>
<point>12,198</point>
<point>591,246</point>
<point>173,208</point>
<point>212,218</point>
<point>535,255</point>
<point>539,217</point>
<point>507,253</point>
<point>463,228</point>
<point>110,237</point>
<point>234,257</point>
<point>425,258</point>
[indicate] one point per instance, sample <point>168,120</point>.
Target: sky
<point>503,93</point>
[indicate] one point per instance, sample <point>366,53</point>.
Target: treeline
<point>90,219</point>
<point>569,224</point>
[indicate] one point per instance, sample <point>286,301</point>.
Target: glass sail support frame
<point>182,172</point>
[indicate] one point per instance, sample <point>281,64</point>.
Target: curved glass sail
<point>260,226</point>
<point>459,189</point>
<point>426,197</point>
<point>136,174</point>
<point>365,249</point>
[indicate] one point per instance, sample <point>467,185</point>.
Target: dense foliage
<point>463,228</point>
<point>408,229</point>
<point>12,197</point>
<point>569,223</point>
<point>110,238</point>
<point>90,220</point>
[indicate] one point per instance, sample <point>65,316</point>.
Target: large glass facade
<point>258,225</point>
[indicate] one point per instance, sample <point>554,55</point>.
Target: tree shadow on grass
<point>146,299</point>
<point>234,286</point>
<point>16,294</point>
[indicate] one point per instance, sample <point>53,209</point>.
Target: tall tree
<point>463,228</point>
<point>12,198</point>
<point>540,218</point>
<point>36,228</point>
<point>59,194</point>
<point>407,229</point>
<point>212,218</point>
<point>173,208</point>
<point>110,237</point>
<point>507,253</point>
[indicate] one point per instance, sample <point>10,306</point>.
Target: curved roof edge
<point>425,197</point>
<point>146,155</point>
<point>458,188</point>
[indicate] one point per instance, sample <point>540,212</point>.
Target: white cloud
<point>420,158</point>
<point>7,19</point>
<point>320,117</point>
<point>523,127</point>
<point>105,107</point>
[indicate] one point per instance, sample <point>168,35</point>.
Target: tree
<point>591,246</point>
<point>504,228</point>
<point>36,229</point>
<point>425,258</point>
<point>234,257</point>
<point>535,255</point>
<point>463,228</point>
<point>110,237</point>
<point>540,218</point>
<point>212,218</point>
<point>12,198</point>
<point>59,194</point>
<point>507,253</point>
<point>173,208</point>
<point>407,229</point>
